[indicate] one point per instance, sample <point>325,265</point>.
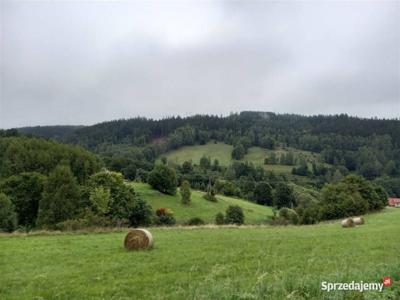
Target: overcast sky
<point>78,62</point>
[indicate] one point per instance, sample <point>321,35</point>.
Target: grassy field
<point>222,152</point>
<point>199,207</point>
<point>205,263</point>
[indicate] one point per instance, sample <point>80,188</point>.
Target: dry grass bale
<point>138,239</point>
<point>348,223</point>
<point>358,221</point>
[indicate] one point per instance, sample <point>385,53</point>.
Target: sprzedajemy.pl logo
<point>356,286</point>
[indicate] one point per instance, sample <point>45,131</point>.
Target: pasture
<point>200,207</point>
<point>205,263</point>
<point>222,152</point>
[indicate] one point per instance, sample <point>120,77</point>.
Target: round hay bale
<point>138,239</point>
<point>358,221</point>
<point>348,223</point>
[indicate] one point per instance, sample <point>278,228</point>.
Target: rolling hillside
<point>199,207</point>
<point>222,152</point>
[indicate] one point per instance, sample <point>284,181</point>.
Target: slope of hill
<point>207,263</point>
<point>199,207</point>
<point>222,152</point>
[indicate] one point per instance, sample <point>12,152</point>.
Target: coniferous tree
<point>185,192</point>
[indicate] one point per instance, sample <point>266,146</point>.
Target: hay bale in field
<point>348,223</point>
<point>358,221</point>
<point>138,239</point>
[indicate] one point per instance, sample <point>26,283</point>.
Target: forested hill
<point>58,132</point>
<point>296,130</point>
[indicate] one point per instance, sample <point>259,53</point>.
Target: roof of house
<point>393,201</point>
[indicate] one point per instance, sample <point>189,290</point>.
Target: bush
<point>195,221</point>
<point>164,216</point>
<point>185,192</point>
<point>210,193</point>
<point>163,179</point>
<point>8,217</point>
<point>289,215</point>
<point>234,215</point>
<point>220,219</point>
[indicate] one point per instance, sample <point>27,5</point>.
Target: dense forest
<point>77,173</point>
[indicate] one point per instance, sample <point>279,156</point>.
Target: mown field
<point>222,152</point>
<point>199,207</point>
<point>205,263</point>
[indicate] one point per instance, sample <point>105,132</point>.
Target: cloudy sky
<point>76,62</point>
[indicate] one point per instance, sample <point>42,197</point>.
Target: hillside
<point>199,207</point>
<point>206,263</point>
<point>222,152</point>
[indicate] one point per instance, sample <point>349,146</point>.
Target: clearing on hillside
<point>200,207</point>
<point>222,152</point>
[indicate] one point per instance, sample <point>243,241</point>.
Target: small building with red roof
<point>394,202</point>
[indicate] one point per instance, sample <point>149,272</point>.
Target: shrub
<point>210,193</point>
<point>185,192</point>
<point>164,216</point>
<point>234,215</point>
<point>289,215</point>
<point>8,217</point>
<point>163,179</point>
<point>219,218</point>
<point>195,221</point>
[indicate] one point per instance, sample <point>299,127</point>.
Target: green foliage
<point>100,199</point>
<point>263,193</point>
<point>141,213</point>
<point>163,179</point>
<point>8,217</point>
<point>219,218</point>
<point>185,192</point>
<point>230,189</point>
<point>60,199</point>
<point>205,162</point>
<point>210,193</point>
<point>25,191</point>
<point>164,216</point>
<point>234,215</point>
<point>22,154</point>
<point>353,195</point>
<point>195,221</point>
<point>289,215</point>
<point>124,205</point>
<point>284,196</point>
<point>238,152</point>
<point>267,142</point>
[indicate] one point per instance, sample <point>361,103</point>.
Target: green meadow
<point>222,152</point>
<point>205,263</point>
<point>199,207</point>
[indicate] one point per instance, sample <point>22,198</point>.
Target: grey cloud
<point>81,63</point>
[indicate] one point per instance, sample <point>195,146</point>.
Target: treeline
<point>352,195</point>
<point>44,184</point>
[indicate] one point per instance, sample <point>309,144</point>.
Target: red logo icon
<point>387,281</point>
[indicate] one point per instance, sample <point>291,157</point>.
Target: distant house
<point>395,202</point>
